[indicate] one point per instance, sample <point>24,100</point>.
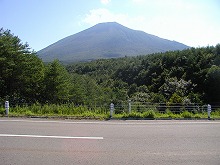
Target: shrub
<point>186,114</point>
<point>149,114</point>
<point>2,111</point>
<point>28,113</point>
<point>216,113</point>
<point>171,114</point>
<point>135,115</point>
<point>197,116</point>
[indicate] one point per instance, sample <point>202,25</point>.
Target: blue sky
<point>42,22</point>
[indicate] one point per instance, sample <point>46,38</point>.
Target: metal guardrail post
<point>7,108</point>
<point>111,109</point>
<point>209,110</point>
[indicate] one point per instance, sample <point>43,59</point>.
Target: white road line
<point>54,137</point>
<point>144,122</point>
<point>49,121</point>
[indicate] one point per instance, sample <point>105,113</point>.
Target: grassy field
<point>101,113</point>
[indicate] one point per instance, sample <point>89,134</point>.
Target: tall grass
<point>71,110</point>
<point>59,110</point>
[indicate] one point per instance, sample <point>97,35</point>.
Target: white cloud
<point>103,15</point>
<point>138,1</point>
<point>186,26</point>
<point>105,2</point>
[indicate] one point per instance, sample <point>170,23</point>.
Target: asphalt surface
<point>53,142</point>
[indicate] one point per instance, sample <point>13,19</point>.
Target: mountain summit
<point>106,40</point>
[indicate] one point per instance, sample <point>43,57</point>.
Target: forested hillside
<point>188,76</point>
<point>191,75</point>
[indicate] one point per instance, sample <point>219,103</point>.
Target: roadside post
<point>111,109</point>
<point>209,110</point>
<point>7,107</point>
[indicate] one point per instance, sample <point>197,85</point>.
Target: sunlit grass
<point>85,112</point>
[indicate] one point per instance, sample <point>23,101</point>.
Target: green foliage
<point>59,110</point>
<point>175,98</point>
<point>181,77</point>
<point>2,110</point>
<point>150,114</point>
<point>21,71</point>
<point>73,111</point>
<point>186,114</point>
<point>170,114</point>
<point>157,98</point>
<point>216,113</point>
<point>134,115</point>
<point>186,73</point>
<point>212,84</point>
<point>57,83</point>
<point>173,85</point>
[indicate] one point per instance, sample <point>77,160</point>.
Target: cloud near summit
<point>167,19</point>
<point>105,2</point>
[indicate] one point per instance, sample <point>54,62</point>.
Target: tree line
<point>184,77</point>
<point>188,76</point>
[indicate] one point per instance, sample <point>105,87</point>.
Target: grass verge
<point>101,113</point>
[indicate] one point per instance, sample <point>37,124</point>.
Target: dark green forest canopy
<point>184,77</point>
<point>191,75</point>
<point>20,70</point>
<point>24,78</point>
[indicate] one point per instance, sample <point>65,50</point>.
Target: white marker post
<point>209,110</point>
<point>111,109</point>
<point>7,107</point>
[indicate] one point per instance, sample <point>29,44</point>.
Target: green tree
<point>21,71</point>
<point>175,98</point>
<point>217,54</point>
<point>212,85</point>
<point>77,91</point>
<point>173,85</point>
<point>57,83</point>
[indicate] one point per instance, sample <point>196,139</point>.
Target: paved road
<point>35,141</point>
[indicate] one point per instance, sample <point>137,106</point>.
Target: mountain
<point>106,40</point>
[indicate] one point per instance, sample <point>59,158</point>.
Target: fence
<point>123,107</point>
<point>162,107</point>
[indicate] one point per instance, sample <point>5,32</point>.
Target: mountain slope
<point>106,40</point>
